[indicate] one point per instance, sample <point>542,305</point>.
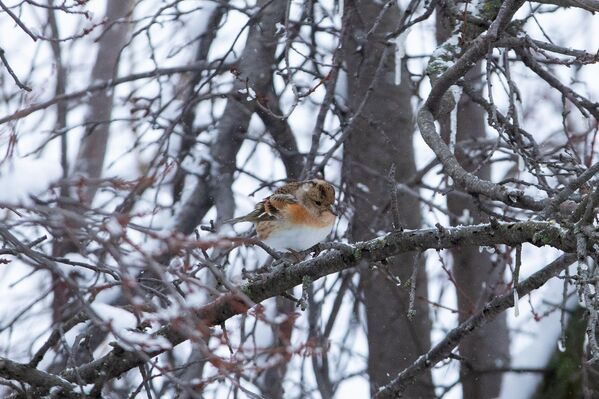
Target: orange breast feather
<point>297,213</point>
<point>300,215</point>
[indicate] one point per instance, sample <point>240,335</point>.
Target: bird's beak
<point>333,209</point>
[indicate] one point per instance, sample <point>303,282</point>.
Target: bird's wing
<point>267,209</point>
<point>271,207</point>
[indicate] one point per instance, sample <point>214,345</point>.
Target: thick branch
<point>341,257</point>
<point>426,116</point>
<point>34,377</point>
<point>468,181</point>
<point>475,52</point>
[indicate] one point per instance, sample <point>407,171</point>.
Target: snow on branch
<point>339,257</point>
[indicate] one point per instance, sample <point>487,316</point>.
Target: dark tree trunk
<point>255,71</point>
<point>477,278</point>
<point>382,137</point>
<point>90,159</point>
<point>92,151</point>
<point>215,188</point>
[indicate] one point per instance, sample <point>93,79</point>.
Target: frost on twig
<point>400,53</point>
<point>516,278</point>
<point>456,92</point>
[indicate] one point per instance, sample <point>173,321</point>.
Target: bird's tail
<point>236,220</point>
<point>253,216</point>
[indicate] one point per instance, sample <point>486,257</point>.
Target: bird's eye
<point>318,203</point>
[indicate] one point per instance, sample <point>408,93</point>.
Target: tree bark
<point>255,71</point>
<point>382,137</point>
<point>90,159</point>
<point>477,278</point>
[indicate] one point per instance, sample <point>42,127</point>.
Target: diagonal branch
<point>340,257</point>
<point>444,348</point>
<point>18,21</point>
<point>35,378</point>
<point>426,116</point>
<point>11,72</point>
<point>569,189</point>
<point>466,180</point>
<point>589,5</point>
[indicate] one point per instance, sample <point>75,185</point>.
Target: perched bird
<point>295,217</point>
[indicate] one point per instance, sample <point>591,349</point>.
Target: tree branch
<point>340,257</point>
<point>34,377</point>
<point>589,5</point>
<point>426,116</point>
<point>444,348</point>
<point>197,66</point>
<point>468,181</point>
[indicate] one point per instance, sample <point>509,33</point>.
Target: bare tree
<point>462,150</point>
<point>477,277</point>
<point>378,154</point>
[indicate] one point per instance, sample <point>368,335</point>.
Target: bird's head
<point>319,194</point>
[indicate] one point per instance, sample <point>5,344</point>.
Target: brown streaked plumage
<point>296,216</point>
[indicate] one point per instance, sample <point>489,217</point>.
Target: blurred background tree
<point>460,137</point>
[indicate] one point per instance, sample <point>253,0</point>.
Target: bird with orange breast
<point>295,217</point>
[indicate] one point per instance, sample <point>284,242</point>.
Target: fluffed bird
<point>295,217</point>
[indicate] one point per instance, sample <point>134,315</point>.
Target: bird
<point>297,216</point>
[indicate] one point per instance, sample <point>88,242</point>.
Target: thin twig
<point>411,308</point>
<point>395,215</point>
<point>515,278</point>
<point>18,21</point>
<point>11,72</point>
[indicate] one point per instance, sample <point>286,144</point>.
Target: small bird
<point>295,217</point>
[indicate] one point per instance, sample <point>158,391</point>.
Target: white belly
<point>297,238</point>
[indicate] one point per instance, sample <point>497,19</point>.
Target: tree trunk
<point>382,137</point>
<point>255,71</point>
<point>477,278</point>
<point>215,188</point>
<point>90,158</point>
<point>92,151</point>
